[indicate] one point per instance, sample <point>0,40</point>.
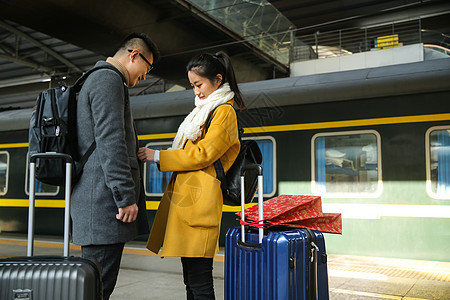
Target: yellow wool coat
<point>187,223</point>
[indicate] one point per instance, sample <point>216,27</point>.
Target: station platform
<point>147,276</point>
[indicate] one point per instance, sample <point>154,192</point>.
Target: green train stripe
<point>302,126</point>
<point>13,145</point>
<point>156,136</point>
<point>349,211</point>
<point>326,125</point>
<point>153,205</point>
<point>350,123</point>
<point>49,203</point>
<point>59,203</point>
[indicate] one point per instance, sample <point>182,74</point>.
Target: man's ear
<point>133,55</point>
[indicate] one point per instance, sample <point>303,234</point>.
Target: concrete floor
<point>350,277</point>
<point>145,276</point>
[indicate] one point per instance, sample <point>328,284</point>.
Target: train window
<point>438,162</point>
<point>4,170</point>
<point>346,164</point>
<point>267,146</point>
<point>156,181</point>
<point>41,189</point>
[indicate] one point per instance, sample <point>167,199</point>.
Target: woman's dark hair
<point>209,65</point>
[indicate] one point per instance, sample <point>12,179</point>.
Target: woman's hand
<point>146,154</point>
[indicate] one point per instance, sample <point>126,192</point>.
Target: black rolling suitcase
<point>49,277</point>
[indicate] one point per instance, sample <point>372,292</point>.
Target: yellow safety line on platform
<point>55,245</point>
<point>373,295</point>
<point>59,245</point>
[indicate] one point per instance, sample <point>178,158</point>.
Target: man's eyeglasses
<point>143,57</point>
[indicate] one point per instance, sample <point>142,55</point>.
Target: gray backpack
<point>53,129</point>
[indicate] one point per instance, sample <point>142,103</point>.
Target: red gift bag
<point>286,208</point>
<point>329,222</point>
<point>294,211</point>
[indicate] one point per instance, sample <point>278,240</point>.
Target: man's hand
<point>127,214</point>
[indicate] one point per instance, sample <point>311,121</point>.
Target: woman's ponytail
<point>231,79</point>
<point>209,65</point>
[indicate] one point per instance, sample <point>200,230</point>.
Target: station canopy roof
<point>48,41</point>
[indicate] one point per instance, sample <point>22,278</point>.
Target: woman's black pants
<point>198,278</point>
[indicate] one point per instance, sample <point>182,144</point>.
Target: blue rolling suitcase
<point>289,264</point>
<point>49,277</point>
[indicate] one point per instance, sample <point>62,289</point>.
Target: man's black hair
<point>147,41</point>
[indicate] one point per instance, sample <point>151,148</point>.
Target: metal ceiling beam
<point>28,63</point>
<point>42,46</point>
<point>23,61</point>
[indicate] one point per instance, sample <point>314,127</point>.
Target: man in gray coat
<point>108,202</point>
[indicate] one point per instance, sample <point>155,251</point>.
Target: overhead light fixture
<point>24,80</point>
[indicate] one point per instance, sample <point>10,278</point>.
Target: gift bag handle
<point>259,169</point>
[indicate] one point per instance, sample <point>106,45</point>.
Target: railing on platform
<point>354,40</point>
<point>263,26</point>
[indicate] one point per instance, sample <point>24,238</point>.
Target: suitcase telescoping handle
<point>259,169</point>
<point>49,155</point>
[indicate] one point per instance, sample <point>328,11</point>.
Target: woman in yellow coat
<point>187,223</point>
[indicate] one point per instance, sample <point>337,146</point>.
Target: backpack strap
<point>77,87</point>
<point>208,122</point>
<point>86,155</point>
<point>79,83</point>
<point>221,176</point>
<point>220,173</point>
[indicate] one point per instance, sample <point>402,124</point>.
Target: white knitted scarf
<point>192,124</point>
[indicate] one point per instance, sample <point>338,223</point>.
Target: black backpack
<point>230,183</point>
<point>53,129</point>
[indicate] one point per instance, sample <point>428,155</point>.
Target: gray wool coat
<point>111,176</point>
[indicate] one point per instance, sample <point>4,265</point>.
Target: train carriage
<point>374,143</point>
